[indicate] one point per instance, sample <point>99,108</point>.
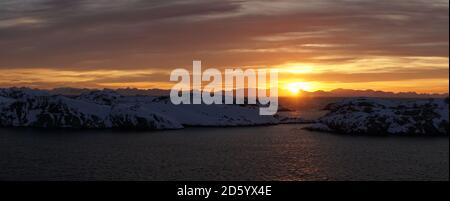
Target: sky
<point>390,45</point>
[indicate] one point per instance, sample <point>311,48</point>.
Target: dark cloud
<point>395,75</point>
<point>83,34</point>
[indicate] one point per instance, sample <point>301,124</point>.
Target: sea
<point>279,152</point>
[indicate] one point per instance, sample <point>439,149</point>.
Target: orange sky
<point>292,77</point>
<point>316,45</point>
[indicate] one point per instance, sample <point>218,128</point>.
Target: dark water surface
<point>282,152</point>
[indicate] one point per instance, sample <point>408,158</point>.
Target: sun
<point>296,87</point>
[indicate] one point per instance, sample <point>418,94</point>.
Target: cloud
<point>137,34</point>
<point>23,21</point>
<point>394,75</point>
<point>166,34</point>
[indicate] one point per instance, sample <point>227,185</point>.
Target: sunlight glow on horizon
<point>427,75</point>
<point>296,87</point>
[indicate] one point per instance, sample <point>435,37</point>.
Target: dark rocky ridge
<point>386,117</point>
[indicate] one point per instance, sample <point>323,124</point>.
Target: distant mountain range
<point>371,93</point>
<point>122,91</point>
<point>320,93</point>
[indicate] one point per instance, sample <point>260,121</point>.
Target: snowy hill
<point>22,107</point>
<point>25,107</point>
<point>376,116</point>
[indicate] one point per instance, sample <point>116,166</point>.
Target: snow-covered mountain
<point>23,107</point>
<point>379,116</point>
<point>333,93</point>
<point>26,107</point>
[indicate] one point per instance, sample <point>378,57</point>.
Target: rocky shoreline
<point>369,116</point>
